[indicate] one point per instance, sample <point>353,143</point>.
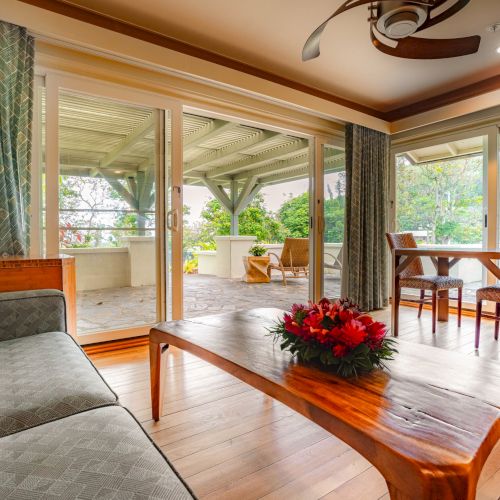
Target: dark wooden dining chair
<point>413,277</point>
<point>491,293</point>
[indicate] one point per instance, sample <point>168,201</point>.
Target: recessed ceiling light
<point>498,50</point>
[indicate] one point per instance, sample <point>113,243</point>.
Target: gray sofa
<point>63,433</point>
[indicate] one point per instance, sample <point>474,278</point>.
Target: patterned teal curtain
<point>16,111</point>
<point>364,278</point>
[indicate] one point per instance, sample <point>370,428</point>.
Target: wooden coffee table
<point>428,425</point>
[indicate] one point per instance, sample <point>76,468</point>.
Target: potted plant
<point>256,265</point>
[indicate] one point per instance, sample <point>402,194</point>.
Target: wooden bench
<point>428,425</point>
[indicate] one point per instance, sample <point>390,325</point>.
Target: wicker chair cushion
<point>426,282</point>
<point>489,293</point>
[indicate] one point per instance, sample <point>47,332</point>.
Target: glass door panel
<point>108,170</point>
<point>243,185</point>
<point>440,198</point>
<point>333,217</point>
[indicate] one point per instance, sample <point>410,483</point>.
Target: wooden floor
<point>229,441</point>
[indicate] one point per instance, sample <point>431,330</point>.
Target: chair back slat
<point>295,252</point>
<point>406,240</point>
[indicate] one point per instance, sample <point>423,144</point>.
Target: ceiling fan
<point>393,22</point>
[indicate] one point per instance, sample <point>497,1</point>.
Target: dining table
<point>443,259</point>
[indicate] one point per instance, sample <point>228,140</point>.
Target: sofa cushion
<point>46,377</point>
<point>101,453</point>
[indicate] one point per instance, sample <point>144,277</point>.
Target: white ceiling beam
<point>201,175</point>
<point>206,159</point>
<point>129,141</point>
<point>209,131</point>
<point>275,167</point>
<point>452,148</point>
<point>289,176</point>
<point>245,192</point>
<point>248,198</point>
<point>218,191</point>
<point>273,154</point>
<point>413,157</point>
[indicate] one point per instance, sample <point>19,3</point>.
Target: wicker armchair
<point>294,259</point>
<point>413,277</point>
<point>335,262</point>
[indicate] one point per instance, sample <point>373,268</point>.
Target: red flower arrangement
<point>336,334</point>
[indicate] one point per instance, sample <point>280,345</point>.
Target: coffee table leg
<point>441,490</point>
<point>396,494</point>
<point>156,372</point>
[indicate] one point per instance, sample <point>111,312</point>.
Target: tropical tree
<point>294,215</point>
<point>255,220</point>
<point>444,198</point>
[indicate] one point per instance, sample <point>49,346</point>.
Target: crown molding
<point>453,96</point>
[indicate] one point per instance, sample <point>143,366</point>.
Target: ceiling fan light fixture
<point>401,25</point>
<point>398,20</point>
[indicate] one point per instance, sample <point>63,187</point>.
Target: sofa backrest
<point>31,312</point>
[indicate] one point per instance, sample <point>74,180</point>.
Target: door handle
<point>173,220</point>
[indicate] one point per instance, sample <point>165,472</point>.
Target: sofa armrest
<point>31,312</point>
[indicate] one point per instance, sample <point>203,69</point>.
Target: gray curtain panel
<point>364,278</point>
<point>16,111</point>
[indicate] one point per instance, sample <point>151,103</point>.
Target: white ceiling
<point>269,34</point>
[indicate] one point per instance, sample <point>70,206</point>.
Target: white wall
<point>100,267</point>
<point>133,265</point>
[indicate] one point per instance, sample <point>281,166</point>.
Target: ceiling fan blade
<point>429,48</point>
<point>311,47</point>
<point>451,11</point>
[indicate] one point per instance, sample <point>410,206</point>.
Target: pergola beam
<point>412,156</point>
<point>275,167</point>
<point>122,191</point>
<point>253,161</point>
<point>452,148</point>
<point>245,192</point>
<point>218,191</point>
<point>128,142</point>
<point>209,131</point>
<point>207,159</point>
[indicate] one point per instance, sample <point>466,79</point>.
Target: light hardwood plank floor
<point>230,441</point>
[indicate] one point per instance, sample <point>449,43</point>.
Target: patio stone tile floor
<point>113,308</point>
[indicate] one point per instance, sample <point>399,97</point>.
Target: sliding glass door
<point>244,184</point>
<point>333,217</point>
<point>109,202</point>
<point>446,195</point>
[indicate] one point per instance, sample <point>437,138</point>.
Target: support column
<point>234,215</point>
